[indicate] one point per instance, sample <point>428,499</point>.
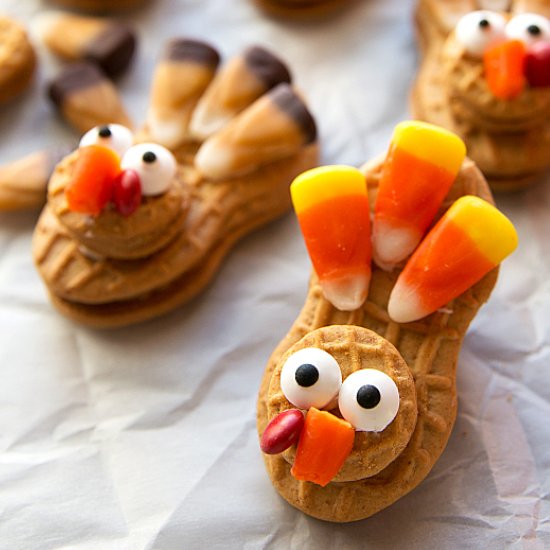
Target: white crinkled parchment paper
<point>144,438</point>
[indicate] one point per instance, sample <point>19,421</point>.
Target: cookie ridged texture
<point>356,348</point>
<point>430,348</point>
<point>17,59</point>
<point>509,141</point>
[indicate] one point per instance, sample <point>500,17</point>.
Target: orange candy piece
<point>332,206</point>
<point>470,239</point>
<point>422,163</point>
<point>91,186</point>
<point>504,69</point>
<point>325,443</point>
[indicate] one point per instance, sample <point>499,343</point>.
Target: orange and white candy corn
<point>332,206</point>
<point>471,239</point>
<point>422,163</point>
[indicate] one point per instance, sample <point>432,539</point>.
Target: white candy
<point>518,28</point>
<point>477,38</point>
<point>119,140</point>
<point>325,388</point>
<point>377,417</point>
<point>156,175</point>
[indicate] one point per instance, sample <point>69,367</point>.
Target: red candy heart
<point>127,192</point>
<point>537,65</point>
<point>282,432</point>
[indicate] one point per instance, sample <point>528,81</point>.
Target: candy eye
<point>478,30</point>
<point>311,377</point>
<point>154,164</point>
<point>116,137</point>
<point>369,400</point>
<point>529,28</point>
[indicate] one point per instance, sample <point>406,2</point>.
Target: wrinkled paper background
<point>145,437</point>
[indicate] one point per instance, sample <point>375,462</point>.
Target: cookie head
<point>498,67</point>
<point>120,200</point>
<point>359,401</point>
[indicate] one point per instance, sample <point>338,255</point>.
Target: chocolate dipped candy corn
<point>86,98</point>
<point>484,76</point>
<point>108,43</point>
<point>133,230</point>
<point>378,392</point>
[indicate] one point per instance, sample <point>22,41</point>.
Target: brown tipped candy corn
<point>85,97</point>
<point>243,80</point>
<point>108,43</point>
<point>180,79</point>
<point>274,127</point>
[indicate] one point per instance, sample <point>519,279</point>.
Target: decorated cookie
<point>485,75</point>
<point>131,231</point>
<point>108,43</point>
<point>17,59</point>
<point>359,399</point>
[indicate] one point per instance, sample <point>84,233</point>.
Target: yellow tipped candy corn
<point>472,238</point>
<point>332,206</point>
<point>422,163</point>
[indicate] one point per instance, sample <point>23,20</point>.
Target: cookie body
<point>429,348</point>
<point>17,60</point>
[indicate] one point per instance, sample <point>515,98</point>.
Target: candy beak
<point>504,69</point>
<point>325,443</point>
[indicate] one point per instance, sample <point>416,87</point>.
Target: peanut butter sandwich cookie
<point>132,231</point>
<point>359,399</point>
<point>17,59</point>
<point>486,76</point>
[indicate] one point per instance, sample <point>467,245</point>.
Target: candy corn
<point>332,206</point>
<point>471,238</point>
<point>324,444</point>
<point>422,163</point>
<point>504,67</point>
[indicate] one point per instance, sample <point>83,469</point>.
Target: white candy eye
<point>155,165</point>
<point>478,30</point>
<point>311,377</point>
<point>529,28</point>
<point>116,137</point>
<point>369,400</point>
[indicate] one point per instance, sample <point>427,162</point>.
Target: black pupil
<point>306,375</point>
<point>149,157</point>
<point>484,24</point>
<point>368,396</point>
<point>105,132</point>
<point>534,30</point>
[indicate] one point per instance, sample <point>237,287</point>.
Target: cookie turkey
<point>358,400</point>
<point>137,225</point>
<point>485,75</point>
